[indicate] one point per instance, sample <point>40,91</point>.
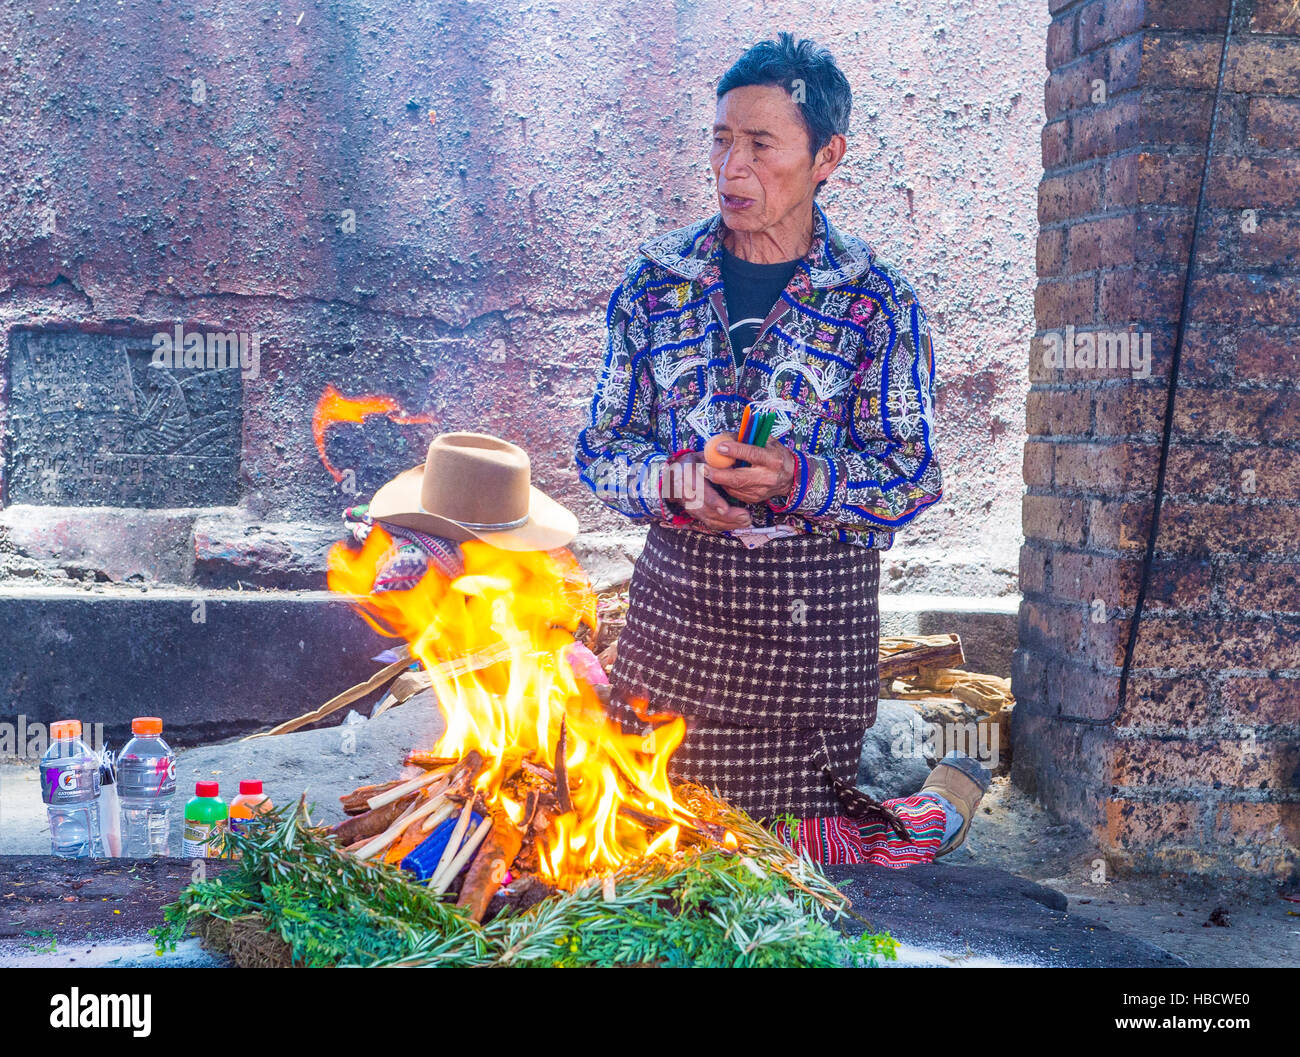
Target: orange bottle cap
<point>146,725</point>
<point>65,728</point>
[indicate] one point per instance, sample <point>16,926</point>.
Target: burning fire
<point>495,642</point>
<point>333,407</point>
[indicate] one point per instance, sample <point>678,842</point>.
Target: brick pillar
<point>1198,770</point>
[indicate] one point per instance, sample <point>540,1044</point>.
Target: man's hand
<point>770,472</point>
<point>700,499</point>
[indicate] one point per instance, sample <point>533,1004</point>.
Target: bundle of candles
<point>755,429</point>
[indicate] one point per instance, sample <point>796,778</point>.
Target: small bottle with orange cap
<point>146,787</point>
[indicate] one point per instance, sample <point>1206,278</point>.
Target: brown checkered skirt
<point>771,655</point>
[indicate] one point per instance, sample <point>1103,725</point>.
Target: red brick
<point>1209,354</point>
<point>1259,65</point>
<point>1176,61</point>
<point>1080,692</point>
<point>1212,644</point>
<point>1259,826</point>
<point>1271,587</point>
<point>1055,145</point>
<point>1176,116</point>
<point>1273,472</point>
<point>1071,87</point>
<point>1207,15</point>
<point>1051,251</point>
<point>1129,409</point>
<point>1060,41</point>
<point>1104,642</point>
<point>1260,701</point>
<point>1263,415</point>
<point>1168,180</point>
<point>1105,468</point>
<point>1239,528</point>
<point>1038,465</point>
<point>1273,245</point>
<point>1141,295</point>
<point>1068,197</point>
<point>1158,703</point>
<point>1267,356</point>
<point>1137,825</point>
<point>1057,412</point>
<point>1165,238</point>
<point>1033,569</point>
<point>1254,183</point>
<point>1199,471</point>
<point>1275,16</point>
<point>1120,185</point>
<point>1100,243</point>
<point>1053,518</point>
<point>1196,763</point>
<point>1059,304</point>
<point>1104,130</point>
<point>1118,525</point>
<point>1273,123</point>
<point>1249,297</point>
<point>1105,20</point>
<point>1051,626</point>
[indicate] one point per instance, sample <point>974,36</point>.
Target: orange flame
<point>333,407</point>
<point>495,641</point>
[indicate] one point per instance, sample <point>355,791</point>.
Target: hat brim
<point>549,524</point>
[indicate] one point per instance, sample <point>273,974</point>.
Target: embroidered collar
<point>691,251</point>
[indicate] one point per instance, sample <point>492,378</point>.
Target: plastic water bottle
<point>70,789</point>
<point>146,786</point>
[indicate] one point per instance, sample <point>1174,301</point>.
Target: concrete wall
<point>433,201</point>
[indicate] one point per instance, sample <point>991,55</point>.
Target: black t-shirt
<point>751,290</point>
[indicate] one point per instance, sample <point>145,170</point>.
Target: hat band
<point>489,526</point>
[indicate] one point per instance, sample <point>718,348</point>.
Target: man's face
<point>760,157</point>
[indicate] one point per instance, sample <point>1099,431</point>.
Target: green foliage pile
<point>705,908</point>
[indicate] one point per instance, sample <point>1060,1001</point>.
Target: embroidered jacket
<point>844,359</point>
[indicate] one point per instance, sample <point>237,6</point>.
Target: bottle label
<point>145,777</point>
<point>203,840</point>
<point>65,783</point>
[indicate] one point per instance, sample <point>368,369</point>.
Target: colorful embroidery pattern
<point>844,359</point>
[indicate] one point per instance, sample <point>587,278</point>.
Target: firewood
<point>372,822</point>
<point>457,835</point>
<point>489,868</point>
<point>394,831</point>
<point>441,882</point>
<point>354,803</point>
<point>562,772</point>
<point>538,771</point>
<point>907,656</point>
<point>429,778</point>
<point>428,760</point>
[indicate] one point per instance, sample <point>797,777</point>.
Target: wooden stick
<point>395,830</point>
<point>415,784</point>
<point>356,693</point>
<point>489,867</point>
<point>457,835</point>
<point>355,802</point>
<point>562,771</point>
<point>538,771</point>
<point>365,826</point>
<point>441,815</point>
<point>441,883</point>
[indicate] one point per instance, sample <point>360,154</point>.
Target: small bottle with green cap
<point>205,823</point>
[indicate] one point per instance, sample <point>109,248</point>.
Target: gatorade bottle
<point>250,801</point>
<point>146,785</point>
<point>70,789</point>
<point>205,823</point>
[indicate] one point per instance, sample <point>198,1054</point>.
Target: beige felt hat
<point>475,486</point>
